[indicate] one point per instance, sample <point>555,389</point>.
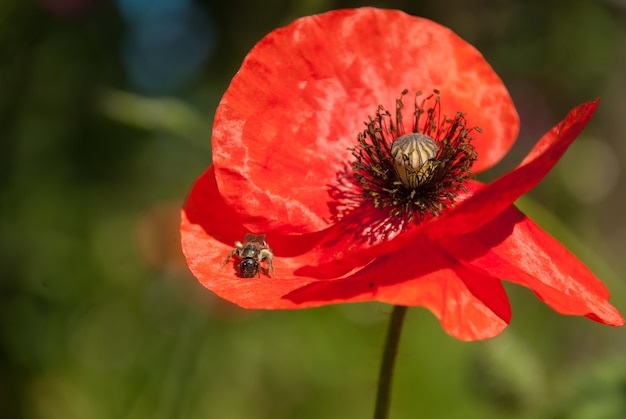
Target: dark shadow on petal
<point>356,217</point>
<point>339,290</point>
<point>489,235</point>
<point>386,270</point>
<point>408,264</point>
<point>206,207</point>
<point>345,196</point>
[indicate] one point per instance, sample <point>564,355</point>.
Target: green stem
<point>385,377</point>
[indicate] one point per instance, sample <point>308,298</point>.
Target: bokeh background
<point>105,119</point>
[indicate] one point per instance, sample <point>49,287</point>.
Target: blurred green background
<point>105,119</point>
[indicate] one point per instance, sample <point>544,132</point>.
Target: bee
<point>250,254</point>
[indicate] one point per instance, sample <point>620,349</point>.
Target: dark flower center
<point>417,170</point>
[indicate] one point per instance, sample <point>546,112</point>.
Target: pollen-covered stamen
<point>414,170</point>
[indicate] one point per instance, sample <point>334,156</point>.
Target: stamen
<point>417,171</point>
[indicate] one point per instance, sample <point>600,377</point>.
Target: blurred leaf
<point>156,114</point>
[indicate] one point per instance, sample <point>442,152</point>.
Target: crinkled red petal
<point>480,206</point>
<point>205,256</point>
<point>284,125</point>
<point>469,304</point>
<point>485,204</point>
<point>209,228</point>
<point>515,249</point>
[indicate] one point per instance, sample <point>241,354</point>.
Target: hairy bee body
<point>250,255</point>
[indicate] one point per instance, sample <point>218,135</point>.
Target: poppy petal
<point>209,228</point>
<point>479,206</point>
<point>515,249</point>
<point>491,200</point>
<point>284,125</point>
<point>205,257</point>
<point>470,304</point>
<point>206,207</point>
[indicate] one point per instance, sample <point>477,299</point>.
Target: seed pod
<point>414,158</point>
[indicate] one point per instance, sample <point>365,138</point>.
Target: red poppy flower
<point>360,201</point>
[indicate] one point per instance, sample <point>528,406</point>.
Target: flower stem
<point>385,377</point>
